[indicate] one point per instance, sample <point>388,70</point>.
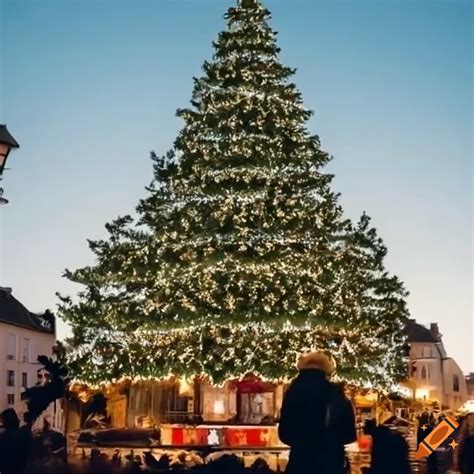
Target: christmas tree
<point>240,256</point>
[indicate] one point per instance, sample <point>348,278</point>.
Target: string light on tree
<point>240,254</point>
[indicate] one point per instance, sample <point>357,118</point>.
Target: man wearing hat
<point>317,420</point>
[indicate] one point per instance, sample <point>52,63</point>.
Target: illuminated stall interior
<point>149,403</point>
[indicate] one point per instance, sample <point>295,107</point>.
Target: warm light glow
<point>366,400</point>
<point>468,407</point>
<point>404,391</point>
<point>422,394</point>
<point>219,407</point>
<point>83,396</point>
<point>185,388</point>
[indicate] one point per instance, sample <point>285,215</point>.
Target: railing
<point>175,416</point>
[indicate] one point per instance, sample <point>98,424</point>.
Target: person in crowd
<point>426,424</point>
<point>14,444</point>
<point>463,457</point>
<point>345,412</point>
<point>316,418</point>
<point>389,450</point>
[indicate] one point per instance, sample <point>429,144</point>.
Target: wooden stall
<point>239,416</point>
<point>149,403</point>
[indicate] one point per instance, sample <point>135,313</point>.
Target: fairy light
<point>240,255</point>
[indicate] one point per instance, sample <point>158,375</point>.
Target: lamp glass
<point>4,149</point>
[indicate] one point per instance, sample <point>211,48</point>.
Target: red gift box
<point>246,437</point>
<point>236,437</point>
<point>177,436</point>
<point>256,437</point>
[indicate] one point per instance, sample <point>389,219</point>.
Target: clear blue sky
<point>89,88</point>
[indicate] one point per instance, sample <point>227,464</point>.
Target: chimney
<point>6,290</point>
<point>434,329</point>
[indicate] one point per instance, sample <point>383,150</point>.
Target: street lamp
<point>7,142</point>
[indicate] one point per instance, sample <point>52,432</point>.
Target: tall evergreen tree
<point>240,256</point>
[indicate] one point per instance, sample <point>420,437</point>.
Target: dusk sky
<point>89,88</point>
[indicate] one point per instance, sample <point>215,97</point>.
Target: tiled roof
<point>418,333</point>
<point>14,313</point>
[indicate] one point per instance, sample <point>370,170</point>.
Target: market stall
<point>195,416</point>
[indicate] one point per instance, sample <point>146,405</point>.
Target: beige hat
<point>316,360</point>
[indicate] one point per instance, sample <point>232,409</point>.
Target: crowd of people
<point>317,422</point>
<point>460,459</point>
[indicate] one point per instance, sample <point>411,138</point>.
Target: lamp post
<point>7,142</point>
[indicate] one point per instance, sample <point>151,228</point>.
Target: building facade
<point>469,405</point>
<point>435,377</point>
<point>23,337</point>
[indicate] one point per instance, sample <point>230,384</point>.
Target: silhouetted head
<point>369,427</point>
<point>316,360</point>
<point>10,419</point>
<point>27,418</point>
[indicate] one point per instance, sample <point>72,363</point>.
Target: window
<point>254,407</point>
<point>456,383</point>
<point>26,350</point>
<point>10,378</point>
<point>423,373</point>
<point>11,347</point>
<point>10,399</point>
<point>24,380</point>
<point>173,406</point>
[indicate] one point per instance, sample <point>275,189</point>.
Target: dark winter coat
<point>389,452</point>
<point>467,455</point>
<point>14,449</point>
<point>422,433</point>
<point>316,422</point>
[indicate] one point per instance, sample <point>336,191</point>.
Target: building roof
<point>14,313</point>
<point>419,333</point>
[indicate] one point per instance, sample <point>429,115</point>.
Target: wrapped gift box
<point>225,436</point>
